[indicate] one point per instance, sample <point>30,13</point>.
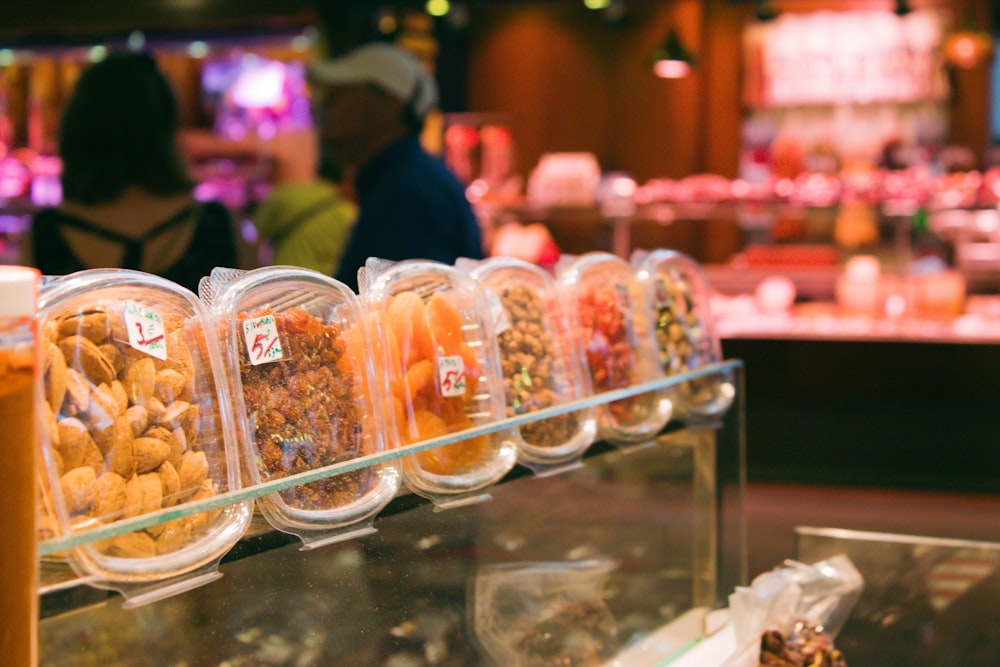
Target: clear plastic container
<point>299,368</point>
<point>610,310</point>
<point>440,372</point>
<point>678,295</point>
<point>541,360</point>
<point>136,419</point>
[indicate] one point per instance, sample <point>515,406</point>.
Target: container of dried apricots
<point>299,370</point>
<point>439,371</point>
<point>136,419</point>
<point>678,296</point>
<point>608,307</point>
<point>541,360</point>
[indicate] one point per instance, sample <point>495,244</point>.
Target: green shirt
<point>307,224</point>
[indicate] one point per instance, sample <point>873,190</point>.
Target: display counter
<point>636,542</point>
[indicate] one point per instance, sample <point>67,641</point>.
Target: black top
<point>410,207</point>
<point>212,244</point>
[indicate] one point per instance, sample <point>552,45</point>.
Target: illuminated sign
<point>831,58</point>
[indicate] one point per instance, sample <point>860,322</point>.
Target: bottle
<point>19,492</point>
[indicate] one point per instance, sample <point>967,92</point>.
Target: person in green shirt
<point>307,218</point>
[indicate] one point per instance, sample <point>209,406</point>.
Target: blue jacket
<point>411,207</point>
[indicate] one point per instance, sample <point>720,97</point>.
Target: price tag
<point>497,312</point>
<point>145,330</point>
<point>661,293</point>
<point>261,336</point>
<point>451,375</point>
<point>622,299</point>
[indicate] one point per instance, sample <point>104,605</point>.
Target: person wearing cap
<point>370,108</point>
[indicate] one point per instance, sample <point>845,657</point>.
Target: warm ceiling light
<point>596,4</point>
<point>672,60</point>
<point>968,48</point>
<point>437,7</point>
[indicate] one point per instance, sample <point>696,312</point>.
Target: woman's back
<point>174,237</point>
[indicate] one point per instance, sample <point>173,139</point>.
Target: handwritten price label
<point>661,294</point>
<point>497,312</point>
<point>451,374</point>
<point>622,298</point>
<point>263,344</point>
<point>145,330</point>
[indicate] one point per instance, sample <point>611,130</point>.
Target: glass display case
<point>625,554</point>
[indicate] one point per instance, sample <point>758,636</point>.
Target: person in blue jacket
<point>370,109</point>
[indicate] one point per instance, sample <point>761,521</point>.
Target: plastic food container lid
<point>299,367</point>
<point>441,374</point>
<point>542,364</point>
<point>136,420</point>
<point>617,338</point>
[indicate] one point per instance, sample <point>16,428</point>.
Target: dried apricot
<point>445,324</point>
<point>405,316</point>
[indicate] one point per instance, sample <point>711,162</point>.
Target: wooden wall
<point>569,80</point>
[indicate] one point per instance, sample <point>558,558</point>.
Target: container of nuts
<point>439,374</point>
<point>299,370</point>
<point>678,296</point>
<point>609,308</point>
<point>136,420</point>
<point>541,360</point>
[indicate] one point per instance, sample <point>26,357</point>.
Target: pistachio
<point>109,496</point>
<point>140,379</point>
<point>149,454</point>
<point>92,325</point>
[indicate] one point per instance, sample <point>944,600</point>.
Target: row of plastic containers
<point>153,397</point>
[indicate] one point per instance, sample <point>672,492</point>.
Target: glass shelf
<point>59,544</point>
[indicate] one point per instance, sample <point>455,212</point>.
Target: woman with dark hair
<point>127,196</point>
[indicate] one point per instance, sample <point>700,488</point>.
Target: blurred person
<point>127,196</point>
<point>370,109</point>
<point>307,218</point>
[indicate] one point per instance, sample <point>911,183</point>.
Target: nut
<point>170,385</point>
<point>178,445</point>
<point>77,488</point>
<point>170,481</point>
<point>109,496</point>
<point>92,325</point>
<point>140,379</point>
<point>121,396</point>
<point>193,471</point>
<point>55,377</point>
<point>77,399</point>
<point>175,414</point>
<point>138,419</point>
<point>103,408</point>
<point>149,454</point>
<point>114,357</point>
<point>132,545</point>
<point>84,355</point>
<point>121,453</point>
<point>73,441</point>
<point>143,493</point>
<point>156,410</point>
<point>175,534</point>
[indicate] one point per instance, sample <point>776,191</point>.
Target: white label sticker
<point>451,374</point>
<point>261,336</point>
<point>145,330</point>
<point>497,312</point>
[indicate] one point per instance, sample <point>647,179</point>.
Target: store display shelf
<point>56,545</point>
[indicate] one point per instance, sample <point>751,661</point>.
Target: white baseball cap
<point>389,67</point>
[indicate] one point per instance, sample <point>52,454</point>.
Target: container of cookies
<point>608,306</point>
<point>299,369</point>
<point>678,295</point>
<point>542,363</point>
<point>136,420</point>
<point>439,370</point>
